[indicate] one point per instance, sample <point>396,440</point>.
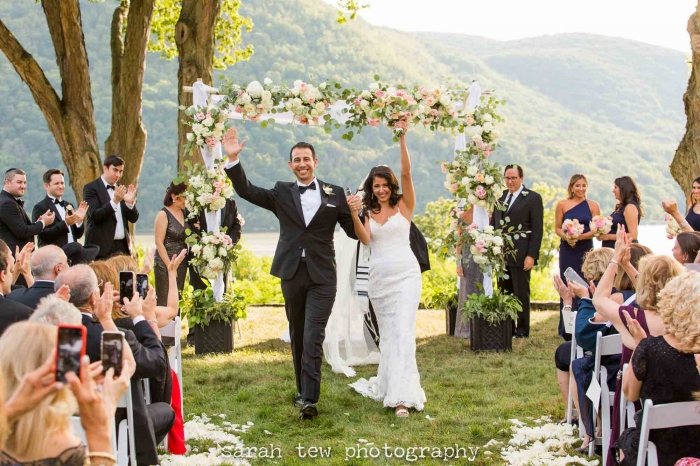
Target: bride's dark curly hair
<point>370,201</point>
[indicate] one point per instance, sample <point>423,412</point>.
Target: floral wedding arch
<point>465,113</point>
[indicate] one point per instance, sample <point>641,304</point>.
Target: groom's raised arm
<point>265,198</point>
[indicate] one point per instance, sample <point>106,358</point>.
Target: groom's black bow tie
<point>20,202</point>
<point>302,189</point>
<point>109,186</point>
<point>61,203</point>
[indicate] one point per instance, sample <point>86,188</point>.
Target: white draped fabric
<point>200,97</point>
<point>481,216</point>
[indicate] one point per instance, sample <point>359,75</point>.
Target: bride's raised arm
<point>409,194</point>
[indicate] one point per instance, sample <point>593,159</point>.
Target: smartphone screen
<point>348,191</point>
<point>70,348</point>
<point>142,284</point>
<point>126,285</point>
<point>571,275</point>
<point>111,349</point>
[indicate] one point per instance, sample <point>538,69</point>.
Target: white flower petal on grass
<point>250,423</point>
<point>429,418</point>
<point>361,440</point>
<point>488,453</point>
<point>517,422</point>
<point>267,432</point>
<point>542,445</point>
<point>492,442</point>
<point>222,416</point>
<point>347,414</point>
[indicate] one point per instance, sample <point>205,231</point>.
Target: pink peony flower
<point>379,94</point>
<point>430,101</point>
<point>473,227</point>
<point>400,93</point>
<point>443,165</point>
<point>311,100</point>
<point>434,112</point>
<point>480,192</point>
<point>303,86</point>
<point>454,187</point>
<point>358,101</point>
<point>214,240</point>
<point>373,121</point>
<point>239,109</point>
<point>200,116</point>
<point>470,121</point>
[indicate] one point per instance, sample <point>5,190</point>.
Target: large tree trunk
<point>128,134</point>
<point>686,163</point>
<point>71,117</point>
<point>194,36</point>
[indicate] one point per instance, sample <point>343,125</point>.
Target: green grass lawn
<point>470,396</point>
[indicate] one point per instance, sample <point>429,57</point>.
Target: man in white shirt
<point>68,226</point>
<point>110,209</point>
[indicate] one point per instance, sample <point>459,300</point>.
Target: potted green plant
<point>212,320</point>
<point>491,318</point>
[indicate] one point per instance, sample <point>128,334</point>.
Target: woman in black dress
<point>663,369</point>
<point>170,240</point>
<point>628,211</point>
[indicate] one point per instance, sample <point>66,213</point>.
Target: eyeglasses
<point>512,178</point>
<point>67,262</point>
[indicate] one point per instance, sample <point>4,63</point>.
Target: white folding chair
<point>604,346</point>
<point>576,353</point>
<point>126,443</point>
<point>174,330</point>
<point>663,416</point>
<point>627,408</point>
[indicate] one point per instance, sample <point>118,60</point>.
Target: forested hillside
<point>576,103</point>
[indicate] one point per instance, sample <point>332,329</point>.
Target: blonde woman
<point>38,414</point>
<point>663,370</point>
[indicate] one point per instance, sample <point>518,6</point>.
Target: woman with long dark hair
<point>691,222</point>
<point>394,284</point>
<point>628,211</point>
<point>170,240</point>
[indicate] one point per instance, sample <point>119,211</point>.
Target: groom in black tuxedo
<point>308,210</point>
<point>523,208</point>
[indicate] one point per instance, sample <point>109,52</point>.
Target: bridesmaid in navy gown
<point>571,251</point>
<point>628,211</point>
<point>691,222</point>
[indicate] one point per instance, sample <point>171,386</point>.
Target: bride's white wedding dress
<point>395,290</point>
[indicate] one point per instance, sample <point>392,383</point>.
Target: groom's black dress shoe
<point>298,402</point>
<point>308,411</point>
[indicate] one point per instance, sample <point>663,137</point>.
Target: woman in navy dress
<point>628,211</point>
<point>691,222</point>
<point>571,251</point>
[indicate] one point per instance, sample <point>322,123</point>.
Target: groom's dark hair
<point>302,145</point>
<point>515,166</point>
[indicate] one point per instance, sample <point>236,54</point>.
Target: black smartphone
<point>70,348</point>
<point>348,191</point>
<point>142,284</point>
<point>111,351</point>
<point>126,285</point>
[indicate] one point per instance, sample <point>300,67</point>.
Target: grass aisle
<point>470,396</point>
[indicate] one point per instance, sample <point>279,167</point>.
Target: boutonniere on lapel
<point>524,193</point>
<point>328,189</point>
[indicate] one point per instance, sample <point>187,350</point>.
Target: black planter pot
<point>450,318</point>
<point>487,337</point>
<point>217,337</point>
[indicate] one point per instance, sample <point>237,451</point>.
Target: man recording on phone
<point>153,421</point>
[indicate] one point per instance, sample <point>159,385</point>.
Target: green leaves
<point>494,309</point>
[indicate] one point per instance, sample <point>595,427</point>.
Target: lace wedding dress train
<point>395,290</point>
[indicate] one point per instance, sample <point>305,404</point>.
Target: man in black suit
<point>110,209</point>
<point>523,208</point>
<point>151,422</point>
<point>308,210</point>
<point>15,227</point>
<point>10,311</point>
<point>68,226</point>
<point>47,263</point>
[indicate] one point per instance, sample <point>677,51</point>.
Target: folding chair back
<point>126,448</point>
<point>663,416</point>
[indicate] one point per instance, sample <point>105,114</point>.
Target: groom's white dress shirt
<point>119,229</point>
<point>62,212</point>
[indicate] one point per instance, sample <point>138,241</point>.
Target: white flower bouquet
<point>672,227</point>
<point>308,102</point>
<point>253,100</point>
<point>207,189</point>
<point>572,228</point>
<point>212,253</point>
<point>475,179</point>
<point>208,125</point>
<point>600,225</point>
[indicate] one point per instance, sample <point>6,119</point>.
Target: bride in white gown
<point>394,284</point>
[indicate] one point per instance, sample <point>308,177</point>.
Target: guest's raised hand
<point>564,292</point>
<point>63,293</point>
<point>231,145</point>
<point>134,306</point>
<point>105,303</point>
<point>670,206</point>
<point>82,211</point>
<point>119,193</point>
<point>176,260</point>
<point>579,290</point>
<point>130,195</point>
<point>24,258</point>
<point>592,287</point>
<point>148,260</point>
<point>402,125</point>
<point>34,387</point>
<point>149,304</point>
<point>634,327</point>
<point>620,243</point>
